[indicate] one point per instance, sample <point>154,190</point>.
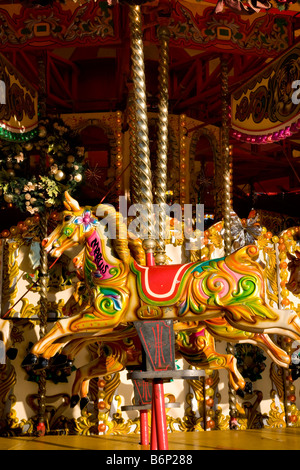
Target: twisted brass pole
<point>134,171</point>
<point>43,223</point>
<point>227,202</point>
<point>162,144</point>
<point>142,134</point>
<point>226,155</point>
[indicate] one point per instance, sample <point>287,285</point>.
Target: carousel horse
<point>194,342</point>
<point>293,285</point>
<point>122,349</point>
<point>122,291</point>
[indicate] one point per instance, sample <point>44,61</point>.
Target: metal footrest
<point>147,407</point>
<point>165,374</point>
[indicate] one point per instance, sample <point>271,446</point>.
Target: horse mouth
<point>56,249</point>
<point>55,253</point>
<point>47,248</point>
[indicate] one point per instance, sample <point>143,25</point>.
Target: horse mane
<point>115,219</point>
<point>136,249</point>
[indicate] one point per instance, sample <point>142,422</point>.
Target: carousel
<point>149,229</point>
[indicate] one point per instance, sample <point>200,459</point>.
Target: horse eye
<point>67,217</point>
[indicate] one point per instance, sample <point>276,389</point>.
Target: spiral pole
<point>162,144</point>
<point>142,131</point>
<point>134,170</point>
<point>43,278</point>
<point>226,156</point>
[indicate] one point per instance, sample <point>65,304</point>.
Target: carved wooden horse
<point>293,284</point>
<point>123,291</point>
<point>194,341</point>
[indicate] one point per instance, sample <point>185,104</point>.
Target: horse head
<point>293,285</point>
<point>75,224</point>
<point>100,233</point>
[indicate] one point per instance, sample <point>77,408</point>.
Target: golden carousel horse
<point>194,342</point>
<point>228,290</point>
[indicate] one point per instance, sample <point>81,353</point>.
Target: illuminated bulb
<point>28,146</point>
<point>78,178</point>
<point>59,175</point>
<point>8,198</point>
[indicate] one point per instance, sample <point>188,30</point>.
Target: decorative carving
<point>90,23</point>
<point>203,29</point>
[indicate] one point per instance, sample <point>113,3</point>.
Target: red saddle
<point>160,283</point>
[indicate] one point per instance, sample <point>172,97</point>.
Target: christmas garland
<point>35,174</point>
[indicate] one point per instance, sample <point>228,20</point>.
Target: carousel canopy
<point>86,46</point>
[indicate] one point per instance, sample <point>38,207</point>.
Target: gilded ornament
<point>78,177</point>
<point>59,175</point>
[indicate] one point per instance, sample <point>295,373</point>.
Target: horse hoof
<point>30,360</point>
<point>74,400</point>
<point>60,361</point>
<point>240,393</point>
<point>41,364</point>
<point>83,402</point>
<point>12,353</point>
<point>295,374</point>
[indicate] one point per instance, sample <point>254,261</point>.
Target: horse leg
<point>278,355</point>
<point>71,349</point>
<point>5,329</point>
<point>225,361</point>
<point>222,330</point>
<point>45,347</point>
<point>60,329</point>
<point>102,365</point>
<point>198,349</point>
<point>287,324</point>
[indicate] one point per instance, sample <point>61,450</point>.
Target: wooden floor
<point>266,439</point>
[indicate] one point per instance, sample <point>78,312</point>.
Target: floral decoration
<point>86,220</point>
<point>30,184</point>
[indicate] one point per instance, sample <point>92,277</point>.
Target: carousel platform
<point>264,439</point>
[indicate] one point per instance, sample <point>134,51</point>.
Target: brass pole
<point>162,144</point>
<point>226,156</point>
<point>43,254</point>
<point>134,171</point>
<point>142,134</point>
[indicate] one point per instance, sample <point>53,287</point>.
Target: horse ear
<point>70,203</point>
<point>67,206</point>
<point>290,256</point>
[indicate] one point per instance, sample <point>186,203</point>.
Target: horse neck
<point>99,259</point>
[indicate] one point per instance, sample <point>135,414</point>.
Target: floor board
<point>265,439</point>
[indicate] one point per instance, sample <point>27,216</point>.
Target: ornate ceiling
<point>87,52</point>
